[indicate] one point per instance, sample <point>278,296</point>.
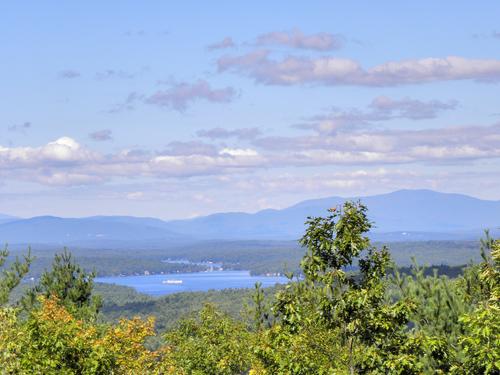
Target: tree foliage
<point>210,343</point>
<point>52,341</point>
<point>12,276</point>
<point>480,339</point>
<point>351,309</point>
<point>70,284</point>
<point>348,312</point>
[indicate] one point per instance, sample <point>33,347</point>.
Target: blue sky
<point>181,109</point>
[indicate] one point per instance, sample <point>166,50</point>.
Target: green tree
<point>70,284</point>
<point>439,302</point>
<point>462,314</point>
<point>480,340</point>
<point>12,276</point>
<point>350,308</point>
<point>211,344</point>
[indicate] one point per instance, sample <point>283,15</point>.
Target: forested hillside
<point>258,257</point>
<point>373,320</point>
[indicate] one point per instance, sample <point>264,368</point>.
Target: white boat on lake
<point>172,282</point>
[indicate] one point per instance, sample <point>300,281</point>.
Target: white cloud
<point>67,179</point>
<point>341,71</point>
<point>135,195</point>
<point>66,162</point>
<point>63,150</point>
<point>238,152</point>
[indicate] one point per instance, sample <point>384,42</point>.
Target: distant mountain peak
<point>402,211</point>
<point>398,215</point>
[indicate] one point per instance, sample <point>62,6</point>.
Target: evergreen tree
<point>480,341</point>
<point>12,276</point>
<point>70,284</point>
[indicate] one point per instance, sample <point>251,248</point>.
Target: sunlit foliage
<point>348,311</point>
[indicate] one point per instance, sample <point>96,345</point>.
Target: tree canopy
<point>349,311</point>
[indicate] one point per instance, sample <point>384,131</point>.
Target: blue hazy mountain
<point>6,218</point>
<point>56,230</point>
<point>412,214</point>
<point>401,215</point>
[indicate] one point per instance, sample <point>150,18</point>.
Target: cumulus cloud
<point>66,162</point>
<point>335,71</point>
<point>297,39</point>
<point>453,144</point>
<point>238,152</point>
<point>61,152</point>
<point>227,161</point>
<point>180,95</point>
<point>227,42</point>
<point>102,135</point>
<point>222,133</point>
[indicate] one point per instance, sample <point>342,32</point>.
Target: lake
<point>192,282</point>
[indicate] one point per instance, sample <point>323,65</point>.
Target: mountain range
<point>6,218</point>
<point>400,215</point>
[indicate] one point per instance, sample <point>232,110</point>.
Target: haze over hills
<point>97,229</point>
<point>7,218</point>
<point>412,214</point>
<point>400,215</point>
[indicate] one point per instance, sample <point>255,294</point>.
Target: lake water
<point>192,282</point>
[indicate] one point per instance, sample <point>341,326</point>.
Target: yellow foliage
<point>52,340</point>
<point>126,341</point>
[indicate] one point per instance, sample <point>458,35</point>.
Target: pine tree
<point>12,276</point>
<point>70,284</point>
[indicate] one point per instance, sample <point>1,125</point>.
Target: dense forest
<point>258,257</point>
<point>347,310</point>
